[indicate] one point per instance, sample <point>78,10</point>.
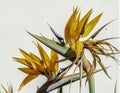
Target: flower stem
<point>43,88</point>
<point>86,67</point>
<point>92,84</point>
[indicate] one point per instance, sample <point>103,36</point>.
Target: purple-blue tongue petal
<point>60,38</point>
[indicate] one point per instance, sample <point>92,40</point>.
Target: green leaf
<point>68,79</point>
<point>49,86</point>
<point>63,50</point>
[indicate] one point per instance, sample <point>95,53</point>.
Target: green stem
<point>92,85</point>
<point>43,88</point>
<point>86,67</point>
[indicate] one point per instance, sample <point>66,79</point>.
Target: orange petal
<point>27,80</point>
<point>54,56</point>
<point>25,54</point>
<point>44,56</point>
<point>82,23</point>
<point>53,62</point>
<point>29,71</point>
<point>28,58</point>
<point>23,61</point>
<point>90,26</point>
<point>79,48</point>
<point>34,57</point>
<point>70,25</point>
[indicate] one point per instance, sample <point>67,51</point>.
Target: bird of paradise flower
<point>72,48</point>
<point>76,29</point>
<point>36,66</point>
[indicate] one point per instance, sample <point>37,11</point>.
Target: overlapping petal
<point>54,59</point>
<point>83,22</point>
<point>75,27</point>
<point>71,26</point>
<point>90,26</point>
<point>44,56</point>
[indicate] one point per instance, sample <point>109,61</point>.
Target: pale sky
<point>33,15</point>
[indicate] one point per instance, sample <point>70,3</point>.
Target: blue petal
<point>60,38</point>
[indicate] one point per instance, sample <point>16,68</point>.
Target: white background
<point>33,15</point>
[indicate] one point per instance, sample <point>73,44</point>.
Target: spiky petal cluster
<point>35,65</point>
<point>77,28</point>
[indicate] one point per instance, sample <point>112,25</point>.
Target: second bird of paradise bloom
<point>35,66</point>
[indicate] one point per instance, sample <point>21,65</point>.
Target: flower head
<point>77,28</point>
<point>36,66</point>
